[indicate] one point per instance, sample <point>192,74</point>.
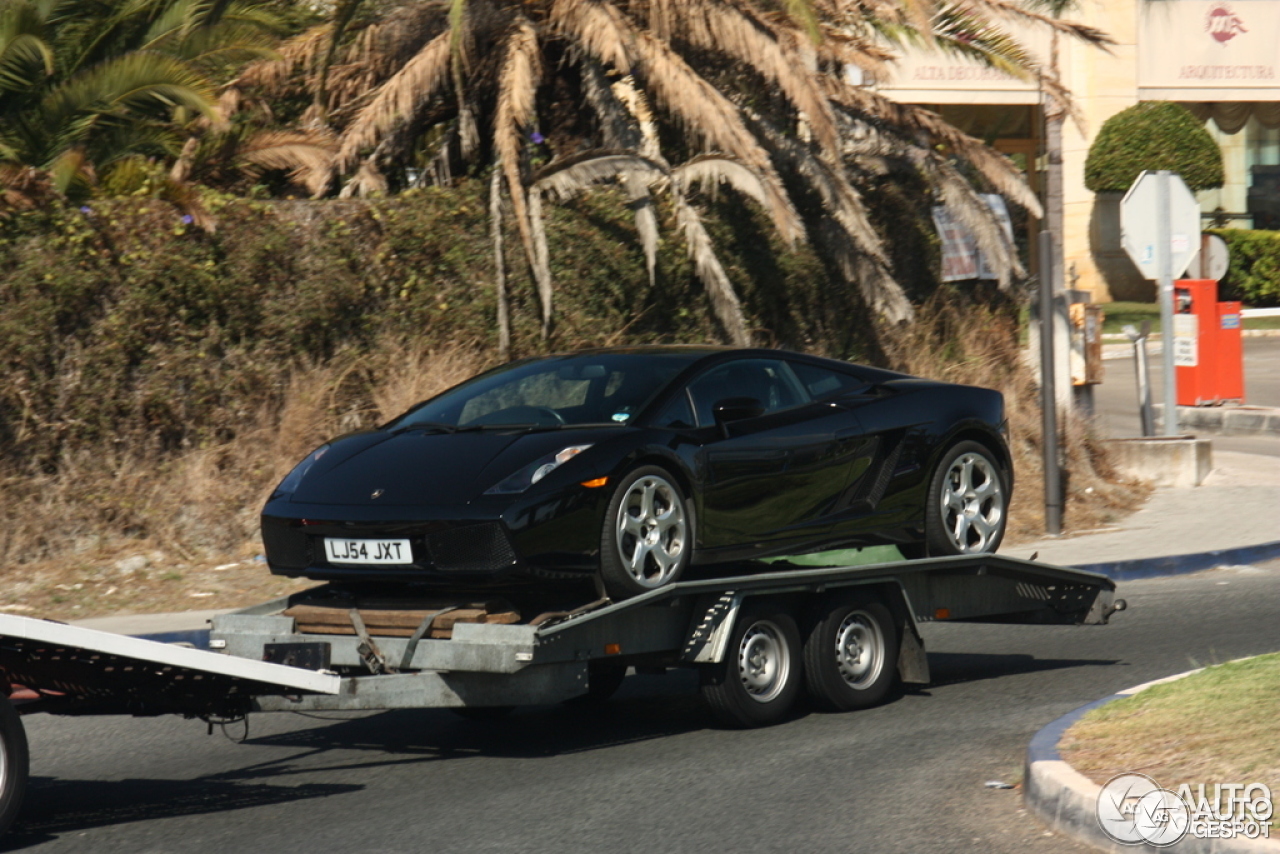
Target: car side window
<point>821,382</point>
<point>769,381</point>
<point>678,414</point>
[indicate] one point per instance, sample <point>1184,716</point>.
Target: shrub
<point>1254,274</point>
<point>1152,135</point>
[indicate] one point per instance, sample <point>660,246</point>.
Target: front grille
<point>286,546</point>
<point>471,548</point>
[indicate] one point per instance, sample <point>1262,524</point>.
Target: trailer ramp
<point>73,670</point>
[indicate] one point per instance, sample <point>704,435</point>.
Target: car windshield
<point>590,388</point>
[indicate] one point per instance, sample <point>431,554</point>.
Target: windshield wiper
<point>426,427</point>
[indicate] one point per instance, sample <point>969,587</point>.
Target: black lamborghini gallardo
<point>632,464</point>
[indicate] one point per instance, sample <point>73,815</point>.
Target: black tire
<point>482,714</point>
<point>15,764</point>
<point>760,677</point>
<point>967,506</point>
<point>647,535</point>
<point>602,683</point>
<point>851,653</point>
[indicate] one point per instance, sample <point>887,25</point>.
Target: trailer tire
<point>851,653</point>
<point>647,534</point>
<point>761,674</point>
<point>15,764</point>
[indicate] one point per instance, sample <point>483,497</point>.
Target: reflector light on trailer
<point>942,614</point>
<point>612,648</point>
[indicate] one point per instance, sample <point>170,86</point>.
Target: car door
<point>770,479</point>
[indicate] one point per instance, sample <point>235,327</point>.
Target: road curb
<point>1244,420</point>
<point>1152,567</point>
<point>1066,800</point>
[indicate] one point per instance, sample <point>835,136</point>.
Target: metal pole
<point>1164,279</point>
<point>1048,394</point>
<point>1139,339</point>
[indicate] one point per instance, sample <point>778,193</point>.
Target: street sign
<point>1213,260</point>
<point>1140,220</point>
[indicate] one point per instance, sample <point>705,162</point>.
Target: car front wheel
<point>648,534</point>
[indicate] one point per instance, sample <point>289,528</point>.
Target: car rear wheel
<point>647,536</point>
<point>967,505</point>
<point>851,654</point>
<point>760,676</point>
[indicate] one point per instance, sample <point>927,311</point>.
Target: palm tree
<point>88,87</point>
<point>755,89</point>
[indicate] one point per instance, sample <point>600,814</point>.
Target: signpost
<point>1160,229</point>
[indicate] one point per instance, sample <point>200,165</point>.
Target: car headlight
<point>294,478</point>
<point>536,471</point>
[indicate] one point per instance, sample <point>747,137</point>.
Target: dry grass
<point>127,530</point>
<point>1215,726</point>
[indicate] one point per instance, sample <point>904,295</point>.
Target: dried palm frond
<point>724,299</point>
<point>879,290</point>
<point>840,198</point>
<point>368,181</point>
<point>517,85</point>
<point>710,115</point>
<point>541,259</point>
<point>308,155</point>
<point>599,28</point>
<point>617,125</point>
<point>712,170</point>
<point>621,127</point>
<point>281,74</point>
<point>1022,12</point>
<point>574,175</point>
<point>398,100</point>
<point>22,188</point>
<point>716,26</point>
<point>500,265</point>
<point>907,119</point>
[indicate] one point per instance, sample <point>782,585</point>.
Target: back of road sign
<point>1140,223</point>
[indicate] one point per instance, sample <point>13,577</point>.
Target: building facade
<point>1219,58</point>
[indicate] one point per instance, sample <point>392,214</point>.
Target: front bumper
<point>484,542</point>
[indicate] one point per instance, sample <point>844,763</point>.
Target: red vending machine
<point>1207,350</point>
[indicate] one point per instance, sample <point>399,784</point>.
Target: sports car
<point>627,466</point>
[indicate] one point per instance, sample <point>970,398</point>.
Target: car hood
<point>415,467</point>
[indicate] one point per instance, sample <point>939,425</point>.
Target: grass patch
<point>1117,314</point>
<point>1214,726</point>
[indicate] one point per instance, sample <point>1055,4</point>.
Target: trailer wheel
<point>966,507</point>
<point>760,676</point>
<point>851,654</point>
<point>14,763</point>
<point>647,535</point>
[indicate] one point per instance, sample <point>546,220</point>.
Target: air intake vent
<point>471,548</point>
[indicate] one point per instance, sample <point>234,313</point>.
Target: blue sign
<point>1230,321</point>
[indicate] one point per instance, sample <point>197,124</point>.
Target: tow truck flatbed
<point>844,634</point>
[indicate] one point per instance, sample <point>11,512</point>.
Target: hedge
<point>1152,135</point>
<point>1254,274</point>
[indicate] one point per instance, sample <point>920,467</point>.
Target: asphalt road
<point>1116,399</point>
<point>646,772</point>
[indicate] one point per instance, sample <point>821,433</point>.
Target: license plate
<point>368,551</point>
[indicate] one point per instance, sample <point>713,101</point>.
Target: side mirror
<point>735,409</point>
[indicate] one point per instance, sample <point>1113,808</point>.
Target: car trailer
<point>843,634</point>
